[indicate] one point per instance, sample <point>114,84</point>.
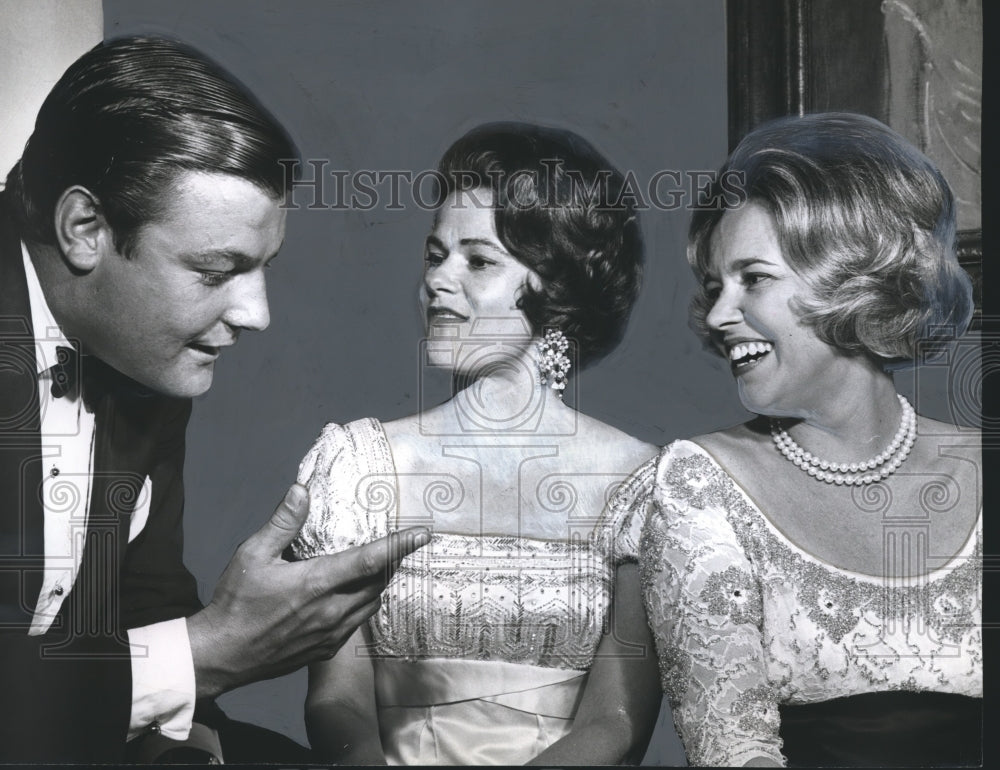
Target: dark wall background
<point>390,85</point>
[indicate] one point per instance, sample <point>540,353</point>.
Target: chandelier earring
<point>553,363</point>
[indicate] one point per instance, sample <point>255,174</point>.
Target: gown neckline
<point>938,573</point>
<point>392,515</point>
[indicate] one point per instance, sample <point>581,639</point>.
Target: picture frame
<point>916,65</point>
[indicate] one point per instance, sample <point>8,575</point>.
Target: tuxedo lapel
<point>21,517</point>
<point>122,450</point>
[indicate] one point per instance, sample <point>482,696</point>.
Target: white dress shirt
<point>163,685</point>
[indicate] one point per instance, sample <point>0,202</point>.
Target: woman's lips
<point>744,356</point>
<point>444,315</point>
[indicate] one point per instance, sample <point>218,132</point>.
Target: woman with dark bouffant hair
<point>813,577</point>
<point>517,635</point>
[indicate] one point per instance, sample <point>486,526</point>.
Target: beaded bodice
<point>745,620</point>
<point>513,599</point>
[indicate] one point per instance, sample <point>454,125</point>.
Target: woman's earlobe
<point>81,229</point>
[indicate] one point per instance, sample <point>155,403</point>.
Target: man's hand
<point>269,617</point>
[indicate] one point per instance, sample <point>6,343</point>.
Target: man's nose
<point>249,308</point>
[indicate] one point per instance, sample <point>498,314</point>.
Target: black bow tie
<point>74,373</point>
<point>87,375</point>
<point>65,372</point>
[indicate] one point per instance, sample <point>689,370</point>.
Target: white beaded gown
<point>745,622</point>
<point>483,643</point>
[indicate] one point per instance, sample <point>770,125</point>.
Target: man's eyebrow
<point>237,259</point>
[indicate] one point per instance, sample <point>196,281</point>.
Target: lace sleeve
<point>337,520</point>
<point>627,512</point>
<point>704,606</point>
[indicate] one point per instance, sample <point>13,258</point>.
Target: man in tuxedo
<point>134,236</point>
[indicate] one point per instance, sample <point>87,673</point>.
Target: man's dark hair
<point>125,120</point>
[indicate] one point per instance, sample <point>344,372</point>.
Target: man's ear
<point>82,232</point>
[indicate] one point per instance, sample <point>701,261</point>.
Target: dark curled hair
<point>564,211</point>
<point>125,120</point>
<point>866,219</point>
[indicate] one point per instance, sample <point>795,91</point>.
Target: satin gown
<point>482,645</point>
<point>759,641</point>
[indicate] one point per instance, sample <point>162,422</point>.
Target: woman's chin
<point>766,407</point>
<point>752,401</point>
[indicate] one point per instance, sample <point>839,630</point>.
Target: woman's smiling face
<point>781,367</point>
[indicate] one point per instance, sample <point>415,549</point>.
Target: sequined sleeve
<point>704,606</point>
<point>335,472</point>
<point>627,512</point>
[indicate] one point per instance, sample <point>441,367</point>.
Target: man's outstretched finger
<point>376,561</point>
<point>406,541</point>
<point>399,545</point>
<point>286,521</point>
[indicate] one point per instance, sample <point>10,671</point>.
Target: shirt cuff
<point>163,688</point>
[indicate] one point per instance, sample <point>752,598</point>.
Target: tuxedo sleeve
<point>156,586</point>
<point>158,592</point>
<point>163,685</point>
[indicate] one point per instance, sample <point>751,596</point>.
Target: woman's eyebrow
<point>433,240</point>
<point>741,264</point>
<point>735,267</point>
<point>483,242</point>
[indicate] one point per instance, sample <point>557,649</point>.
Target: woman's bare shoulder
<point>402,427</point>
<point>428,425</point>
<point>736,441</point>
<point>948,449</point>
<point>408,440</point>
<point>610,443</point>
<point>939,433</point>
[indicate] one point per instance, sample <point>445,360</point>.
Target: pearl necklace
<point>877,468</point>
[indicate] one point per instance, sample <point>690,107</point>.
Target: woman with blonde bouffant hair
<point>813,577</point>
